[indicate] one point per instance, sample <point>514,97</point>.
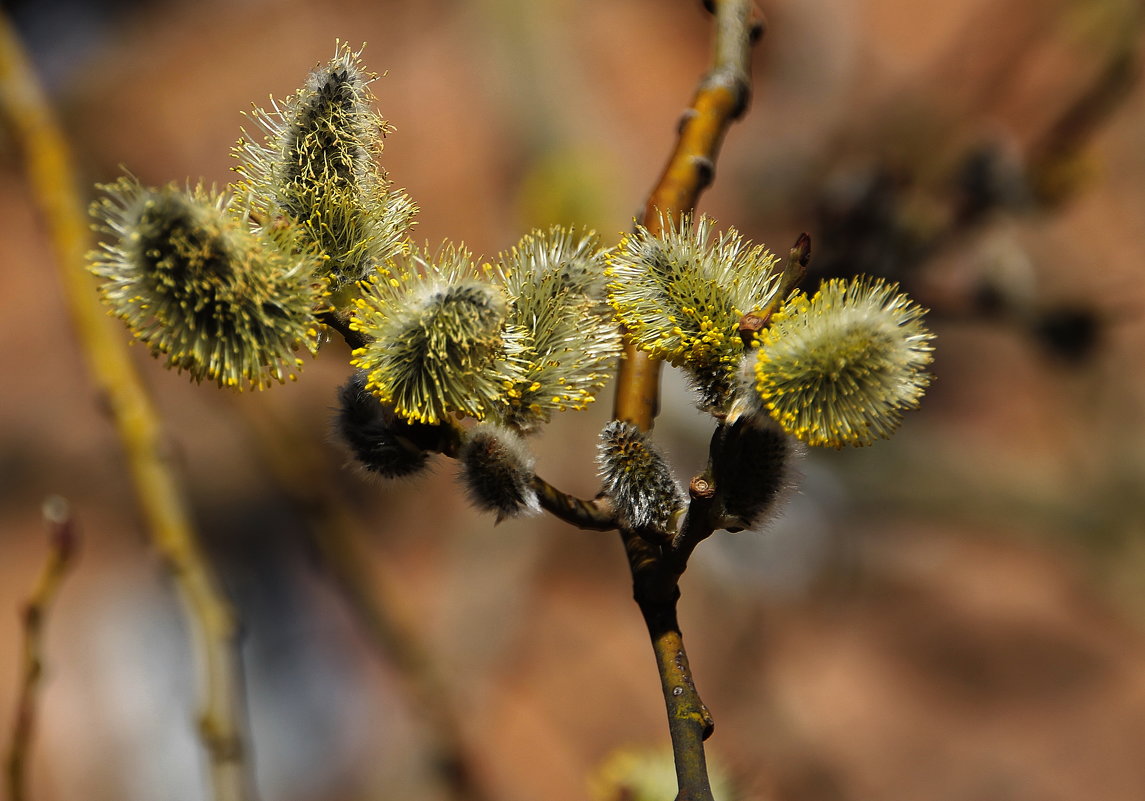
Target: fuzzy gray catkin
<point>497,470</point>
<point>637,479</point>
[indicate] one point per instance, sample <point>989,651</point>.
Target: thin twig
<point>1059,146</point>
<point>722,96</point>
<point>699,523</point>
<point>62,546</point>
<point>596,515</point>
<point>52,177</point>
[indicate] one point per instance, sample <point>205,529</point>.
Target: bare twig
<point>62,545</point>
<point>721,98</point>
<point>596,514</point>
<point>52,178</point>
<point>699,523</point>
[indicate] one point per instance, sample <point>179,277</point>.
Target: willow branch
<point>52,178</point>
<point>656,591</point>
<point>341,323</point>
<point>596,514</point>
<point>699,522</point>
<point>62,546</point>
<point>721,97</point>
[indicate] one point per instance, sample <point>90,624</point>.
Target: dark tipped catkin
<point>378,438</point>
<point>497,470</point>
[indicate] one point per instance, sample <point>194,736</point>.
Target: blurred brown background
<point>953,614</point>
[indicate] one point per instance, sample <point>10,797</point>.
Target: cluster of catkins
<point>229,286</point>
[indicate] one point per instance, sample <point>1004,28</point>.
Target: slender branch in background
<point>222,717</point>
<point>1053,157</point>
<point>62,546</point>
<point>339,540</point>
<point>721,98</point>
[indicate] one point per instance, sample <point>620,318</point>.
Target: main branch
<point>720,99</point>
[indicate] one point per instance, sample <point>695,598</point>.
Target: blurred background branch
<point>63,543</point>
<point>53,181</point>
<point>375,597</point>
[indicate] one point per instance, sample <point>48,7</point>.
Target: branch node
<point>686,116</point>
<point>701,487</point>
<point>705,171</point>
<point>751,324</point>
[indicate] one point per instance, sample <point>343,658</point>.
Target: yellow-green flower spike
<point>440,345</point>
<point>202,288</point>
<point>681,295</point>
<point>841,368</point>
<point>553,279</point>
<point>317,166</point>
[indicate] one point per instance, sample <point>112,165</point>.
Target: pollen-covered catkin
<point>637,479</point>
<point>840,369</point>
<point>317,165</point>
<point>205,289</point>
<point>440,342</point>
<point>681,294</point>
<point>497,470</point>
<point>380,441</point>
<point>553,279</point>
